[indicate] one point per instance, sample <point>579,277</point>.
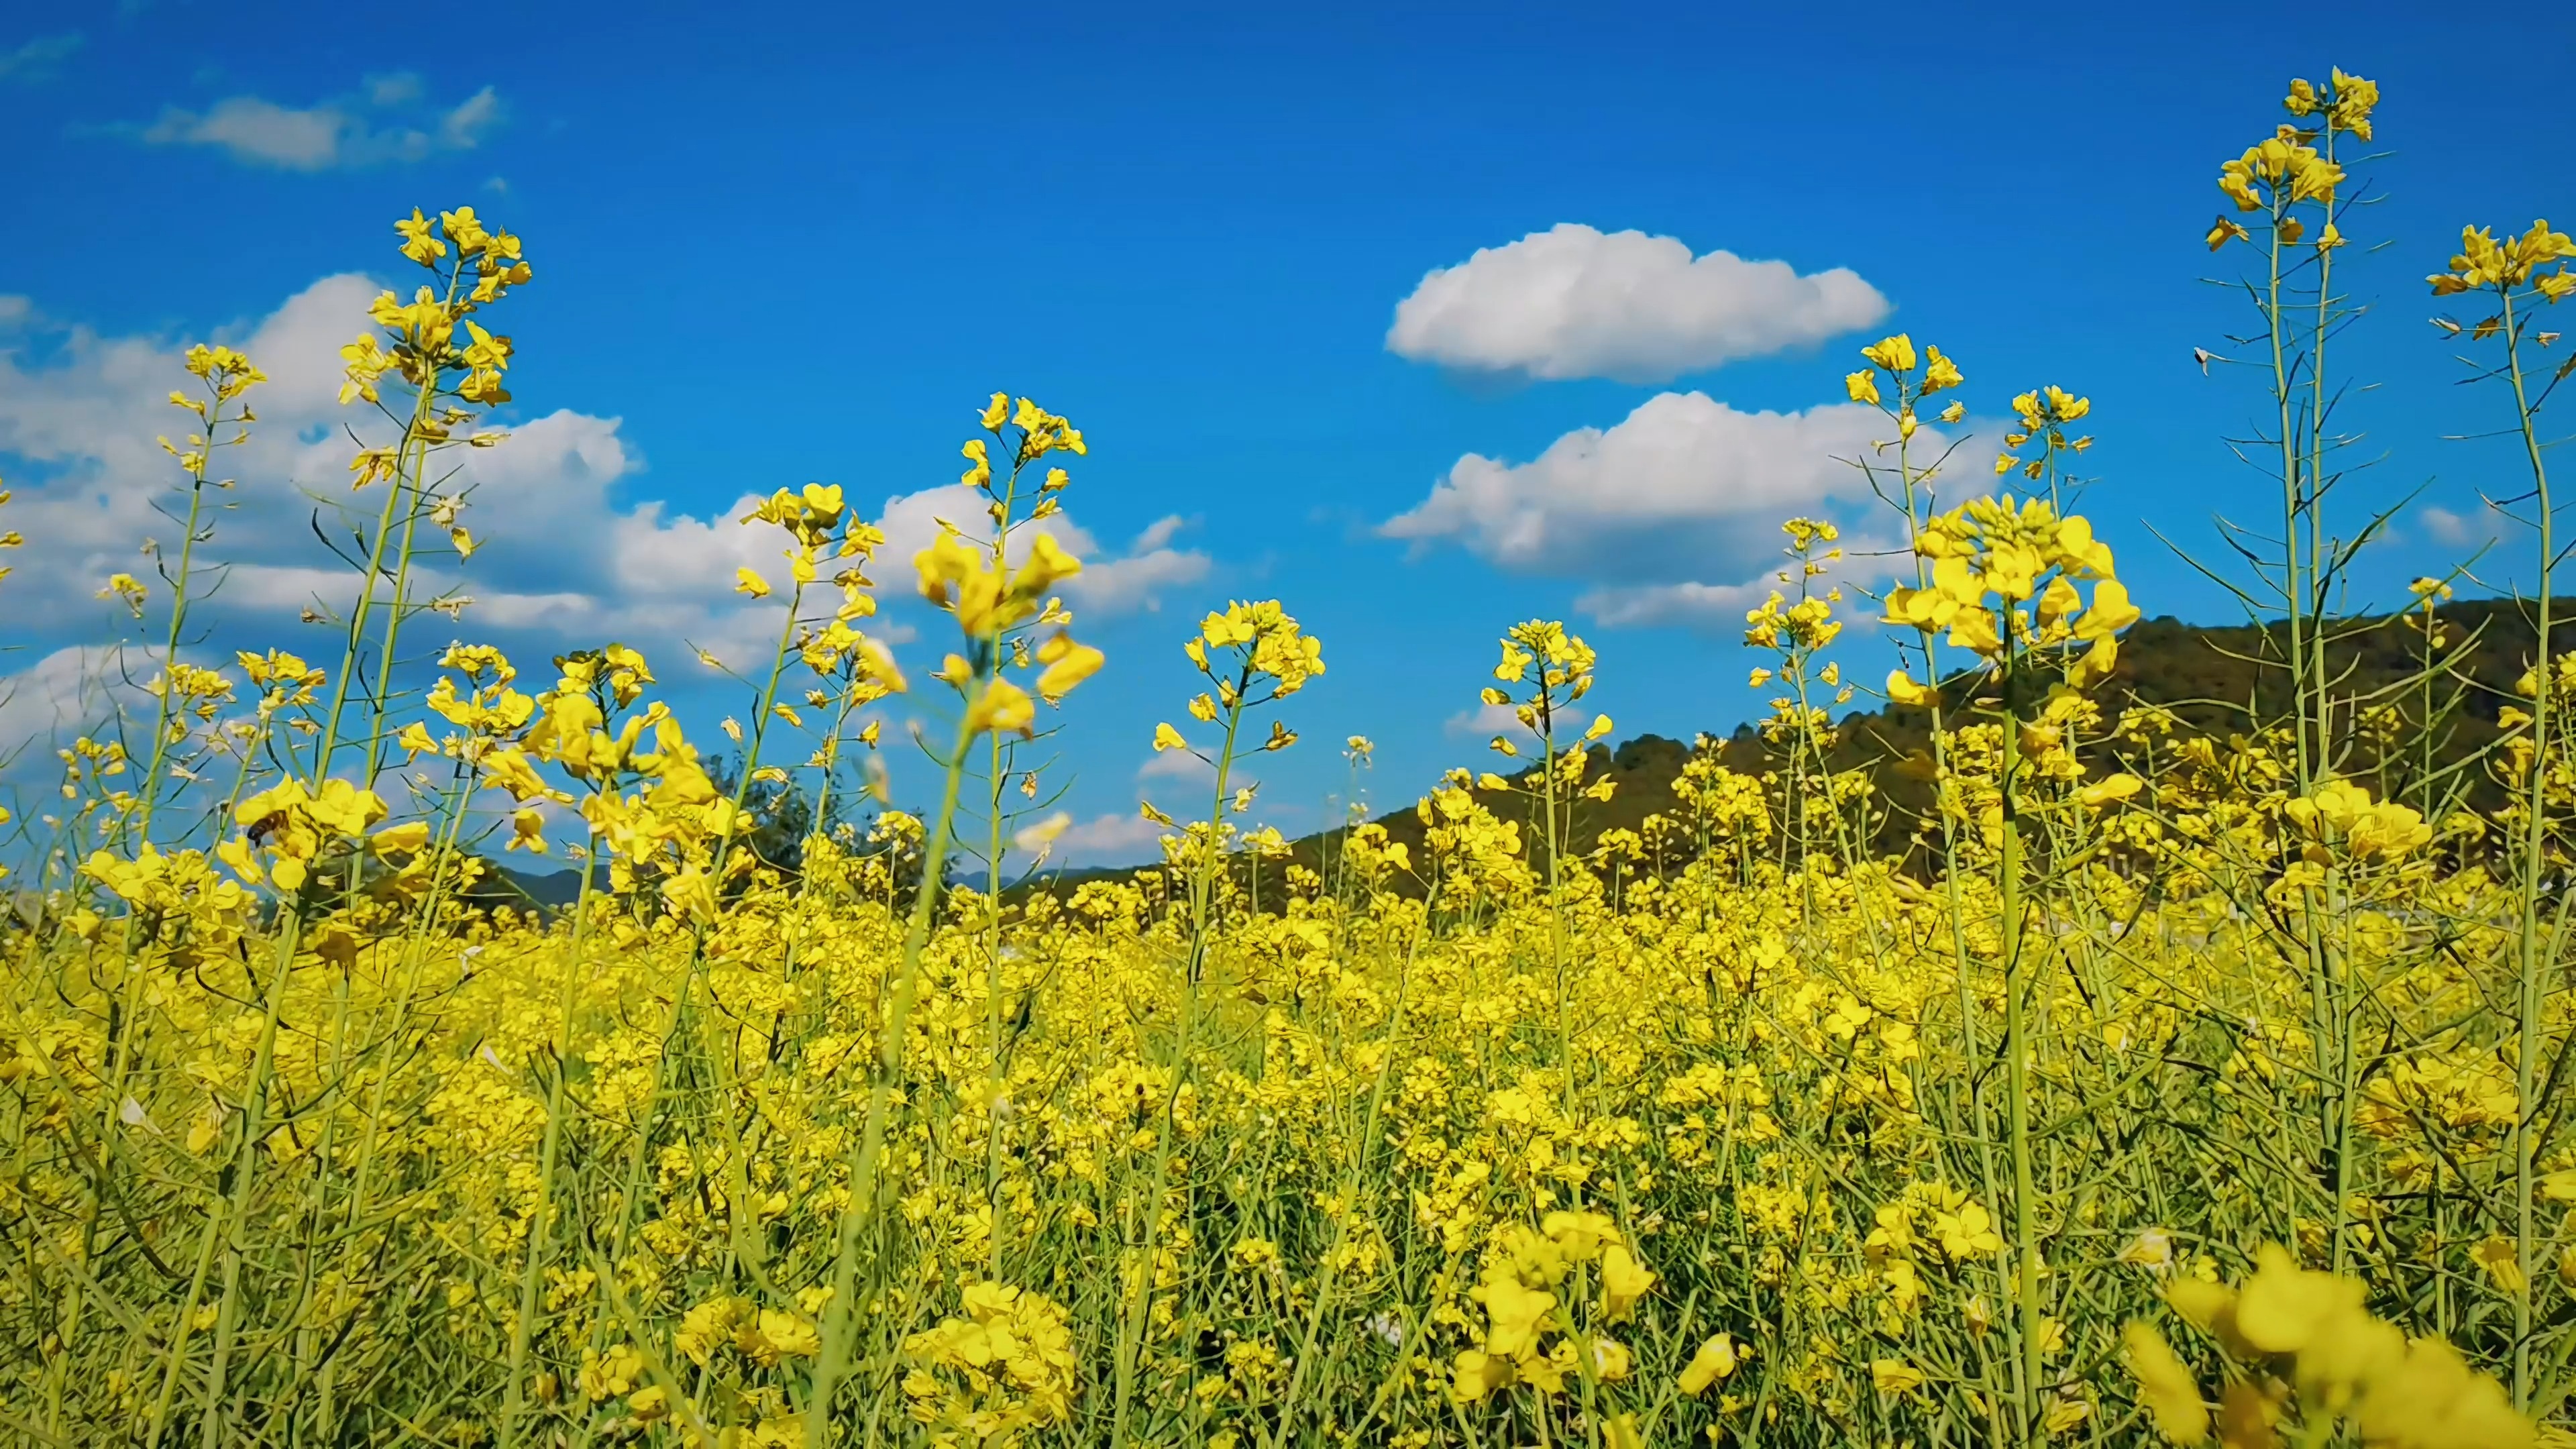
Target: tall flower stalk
<point>990,600</point>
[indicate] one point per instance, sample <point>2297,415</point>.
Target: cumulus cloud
<point>1688,603</point>
<point>79,412</point>
<point>252,129</point>
<point>387,120</point>
<point>464,125</point>
<point>1577,302</point>
<point>569,555</point>
<point>1109,840</point>
<point>1720,608</point>
<point>1682,478</point>
<point>1112,581</point>
<point>1137,579</point>
<point>1672,514</point>
<point>69,691</point>
<point>80,422</point>
<point>563,560</point>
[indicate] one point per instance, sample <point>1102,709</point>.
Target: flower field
<point>2156,1085</point>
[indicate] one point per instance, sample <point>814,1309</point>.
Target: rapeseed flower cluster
<point>1823,1106</point>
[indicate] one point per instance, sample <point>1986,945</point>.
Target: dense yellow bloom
<point>1514,1312</point>
<point>1003,707</point>
<point>1967,1232</point>
<point>2166,1386</point>
<point>1580,1237</point>
<point>127,590</point>
<point>1715,1360</point>
<point>1995,549</point>
<point>1473,1123</point>
<point>1048,564</point>
<point>1271,647</point>
<point>1067,664</point>
<point>2110,789</point>
<point>1901,689</point>
<point>1894,1377</point>
<point>2342,1360</point>
<point>775,1334</point>
<point>1005,1364</point>
<point>1896,354</point>
<point>2484,262</point>
<point>2340,812</point>
<point>419,243</point>
<point>1624,1281</point>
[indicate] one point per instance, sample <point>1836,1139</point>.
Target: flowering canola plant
<point>1744,1126</point>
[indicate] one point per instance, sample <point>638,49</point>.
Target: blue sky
<point>805,247</point>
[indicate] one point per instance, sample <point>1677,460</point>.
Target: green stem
<point>2017,1006</point>
<point>2530,1024</point>
<point>833,1362</point>
<point>523,1327</point>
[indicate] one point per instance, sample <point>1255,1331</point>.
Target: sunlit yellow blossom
<point>1715,1360</point>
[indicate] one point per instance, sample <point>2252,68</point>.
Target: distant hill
<point>518,889</point>
<point>2214,679</point>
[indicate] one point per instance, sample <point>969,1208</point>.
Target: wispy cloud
<point>2457,529</point>
<point>39,58</point>
<point>387,120</point>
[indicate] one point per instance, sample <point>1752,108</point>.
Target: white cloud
<point>1136,579</point>
<point>1673,514</point>
<point>1486,721</point>
<point>463,128</point>
<point>384,123</point>
<point>79,427</point>
<point>1720,608</point>
<point>1175,765</point>
<point>1576,302</point>
<point>1111,582</point>
<point>2457,530</point>
<point>1686,602</point>
<point>1109,840</point>
<point>567,557</point>
<point>1681,479</point>
<point>67,692</point>
<point>252,129</point>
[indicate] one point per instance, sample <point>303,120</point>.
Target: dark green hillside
<point>2217,681</point>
